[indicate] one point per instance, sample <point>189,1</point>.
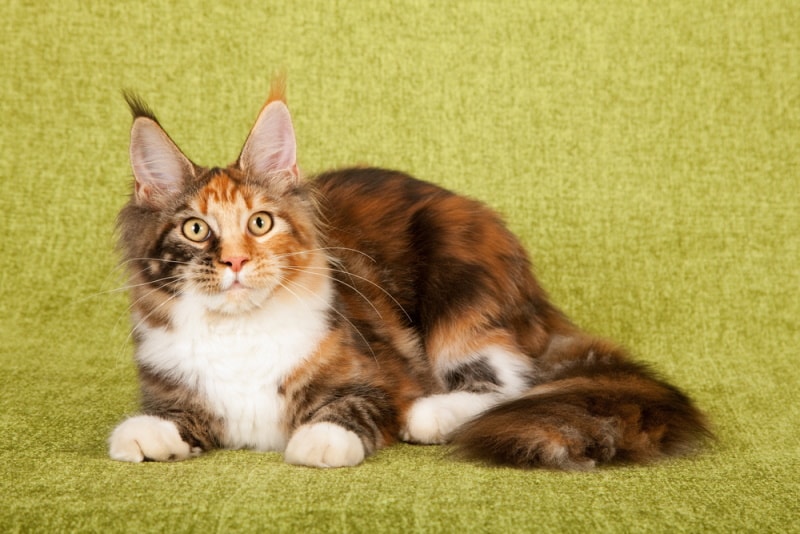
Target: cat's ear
<point>270,149</point>
<point>159,167</point>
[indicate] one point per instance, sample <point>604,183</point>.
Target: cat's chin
<point>237,300</point>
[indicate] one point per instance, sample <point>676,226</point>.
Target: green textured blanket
<point>645,152</point>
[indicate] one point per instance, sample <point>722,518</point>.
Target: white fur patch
<point>148,437</point>
<point>432,419</point>
<point>512,370</point>
<point>324,445</point>
<point>237,363</point>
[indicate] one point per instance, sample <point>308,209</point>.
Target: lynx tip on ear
<point>277,88</point>
<point>138,106</point>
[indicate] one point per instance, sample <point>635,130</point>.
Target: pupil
<point>259,222</point>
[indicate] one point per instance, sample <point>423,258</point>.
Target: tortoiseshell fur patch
<point>331,316</point>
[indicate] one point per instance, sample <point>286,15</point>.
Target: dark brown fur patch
<point>178,403</point>
<point>476,376</point>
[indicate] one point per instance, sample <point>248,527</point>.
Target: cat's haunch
<point>328,317</point>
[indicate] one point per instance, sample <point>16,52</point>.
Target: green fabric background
<point>645,152</point>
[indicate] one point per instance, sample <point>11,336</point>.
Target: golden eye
<point>260,223</point>
<point>196,230</point>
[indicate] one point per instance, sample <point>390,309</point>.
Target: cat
<point>327,318</point>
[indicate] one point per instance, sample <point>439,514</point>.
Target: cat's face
<point>229,239</point>
<point>233,244</point>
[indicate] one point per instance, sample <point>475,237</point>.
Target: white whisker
<point>155,289</point>
<point>127,287</point>
<point>148,258</point>
<point>344,271</point>
<point>330,306</point>
<point>325,249</point>
<point>133,286</point>
<point>154,310</point>
<point>307,270</point>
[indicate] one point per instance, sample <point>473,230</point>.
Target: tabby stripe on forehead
<point>221,188</point>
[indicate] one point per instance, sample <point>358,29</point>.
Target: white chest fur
<point>237,363</point>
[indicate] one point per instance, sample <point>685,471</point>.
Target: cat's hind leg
<point>472,385</point>
<point>147,437</point>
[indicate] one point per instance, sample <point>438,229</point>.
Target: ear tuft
<point>277,89</point>
<point>271,148</point>
<point>138,107</point>
<point>159,166</point>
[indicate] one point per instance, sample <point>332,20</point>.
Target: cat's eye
<point>196,230</point>
<point>260,223</point>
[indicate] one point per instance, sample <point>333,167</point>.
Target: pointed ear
<point>159,166</point>
<point>270,148</point>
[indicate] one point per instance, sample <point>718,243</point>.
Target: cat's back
<point>432,249</point>
<point>399,217</point>
<point>374,195</point>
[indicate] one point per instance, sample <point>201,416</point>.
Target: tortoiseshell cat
<point>330,317</point>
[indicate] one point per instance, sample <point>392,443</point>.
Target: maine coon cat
<point>332,316</point>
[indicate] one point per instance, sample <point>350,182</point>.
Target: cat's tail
<point>599,407</point>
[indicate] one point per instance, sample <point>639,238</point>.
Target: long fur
<point>373,307</point>
<point>602,408</point>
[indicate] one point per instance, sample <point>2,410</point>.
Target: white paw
<point>432,419</point>
<point>324,445</point>
<point>146,437</point>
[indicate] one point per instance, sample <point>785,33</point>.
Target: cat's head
<point>228,238</point>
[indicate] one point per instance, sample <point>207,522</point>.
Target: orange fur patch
<point>277,88</point>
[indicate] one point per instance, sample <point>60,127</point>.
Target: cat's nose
<point>235,263</point>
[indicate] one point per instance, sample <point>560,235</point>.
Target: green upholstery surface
<point>645,152</point>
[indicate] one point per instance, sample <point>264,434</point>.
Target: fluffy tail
<point>598,408</point>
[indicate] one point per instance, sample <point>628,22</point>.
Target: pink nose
<point>235,263</point>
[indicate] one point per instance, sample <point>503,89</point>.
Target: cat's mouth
<point>235,289</point>
<point>233,283</point>
<point>237,292</point>
<point>236,296</point>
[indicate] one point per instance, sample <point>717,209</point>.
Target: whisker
<point>154,310</point>
<point>307,270</point>
<point>155,289</point>
<point>125,263</point>
<point>344,271</point>
<point>331,307</point>
<point>127,287</point>
<point>133,286</point>
<point>325,249</point>
<point>161,260</point>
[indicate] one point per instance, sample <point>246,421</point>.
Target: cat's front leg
<point>324,445</point>
<point>339,425</point>
<point>147,437</point>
